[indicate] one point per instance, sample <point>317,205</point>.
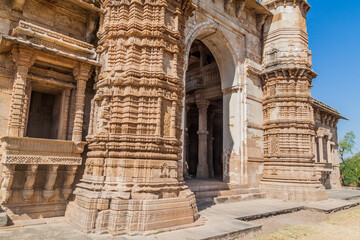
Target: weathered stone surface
<point>3,219</point>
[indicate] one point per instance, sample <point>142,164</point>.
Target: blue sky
<point>334,39</point>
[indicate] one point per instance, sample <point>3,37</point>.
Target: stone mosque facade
<point>126,115</point>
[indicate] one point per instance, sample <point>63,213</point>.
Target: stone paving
<point>216,216</point>
<point>345,194</point>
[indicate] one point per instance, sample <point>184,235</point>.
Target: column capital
<point>23,56</point>
<point>202,103</point>
<point>82,71</point>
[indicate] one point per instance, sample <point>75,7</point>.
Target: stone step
<point>213,193</point>
<point>208,187</point>
<point>239,198</point>
<point>244,191</point>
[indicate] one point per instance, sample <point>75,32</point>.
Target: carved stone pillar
<point>81,74</point>
<point>24,58</point>
<point>65,100</point>
<point>30,176</point>
<point>328,146</point>
<point>290,172</point>
<point>186,143</point>
<point>321,148</point>
<point>131,176</point>
<point>210,145</point>
<point>202,168</point>
<point>51,175</point>
<point>7,177</point>
<point>69,176</point>
<point>315,147</point>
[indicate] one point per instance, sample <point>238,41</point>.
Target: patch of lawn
<point>342,225</point>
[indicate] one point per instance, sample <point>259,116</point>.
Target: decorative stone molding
<point>35,36</point>
<point>305,7</point>
<point>44,160</point>
<point>231,90</point>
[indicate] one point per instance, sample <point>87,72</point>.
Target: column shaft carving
<point>64,112</point>
<point>202,168</point>
<point>321,149</point>
<point>82,74</point>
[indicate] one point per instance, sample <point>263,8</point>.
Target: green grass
<point>338,226</point>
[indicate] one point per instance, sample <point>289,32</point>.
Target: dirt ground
<point>312,225</point>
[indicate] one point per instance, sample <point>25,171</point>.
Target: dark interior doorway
<point>44,115</point>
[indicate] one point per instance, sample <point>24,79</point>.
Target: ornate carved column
<point>202,168</point>
<point>290,172</point>
<point>316,158</point>
<point>210,148</point>
<point>51,175</point>
<point>65,99</point>
<point>328,145</point>
<point>82,74</point>
<point>24,58</point>
<point>30,176</point>
<point>131,176</point>
<point>321,148</point>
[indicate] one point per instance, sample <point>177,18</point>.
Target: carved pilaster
<point>30,176</point>
<point>81,73</point>
<point>24,58</point>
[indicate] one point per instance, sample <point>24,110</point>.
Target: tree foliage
<point>350,171</point>
<point>347,145</point>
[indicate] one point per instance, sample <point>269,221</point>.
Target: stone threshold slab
<point>331,205</point>
<point>344,193</point>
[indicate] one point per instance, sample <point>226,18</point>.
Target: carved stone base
<point>36,207</point>
<point>289,191</point>
<point>132,216</point>
<point>293,182</point>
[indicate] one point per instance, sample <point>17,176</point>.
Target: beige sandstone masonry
<point>126,79</point>
<point>289,169</point>
<point>131,183</point>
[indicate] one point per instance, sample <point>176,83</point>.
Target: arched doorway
<point>204,115</point>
